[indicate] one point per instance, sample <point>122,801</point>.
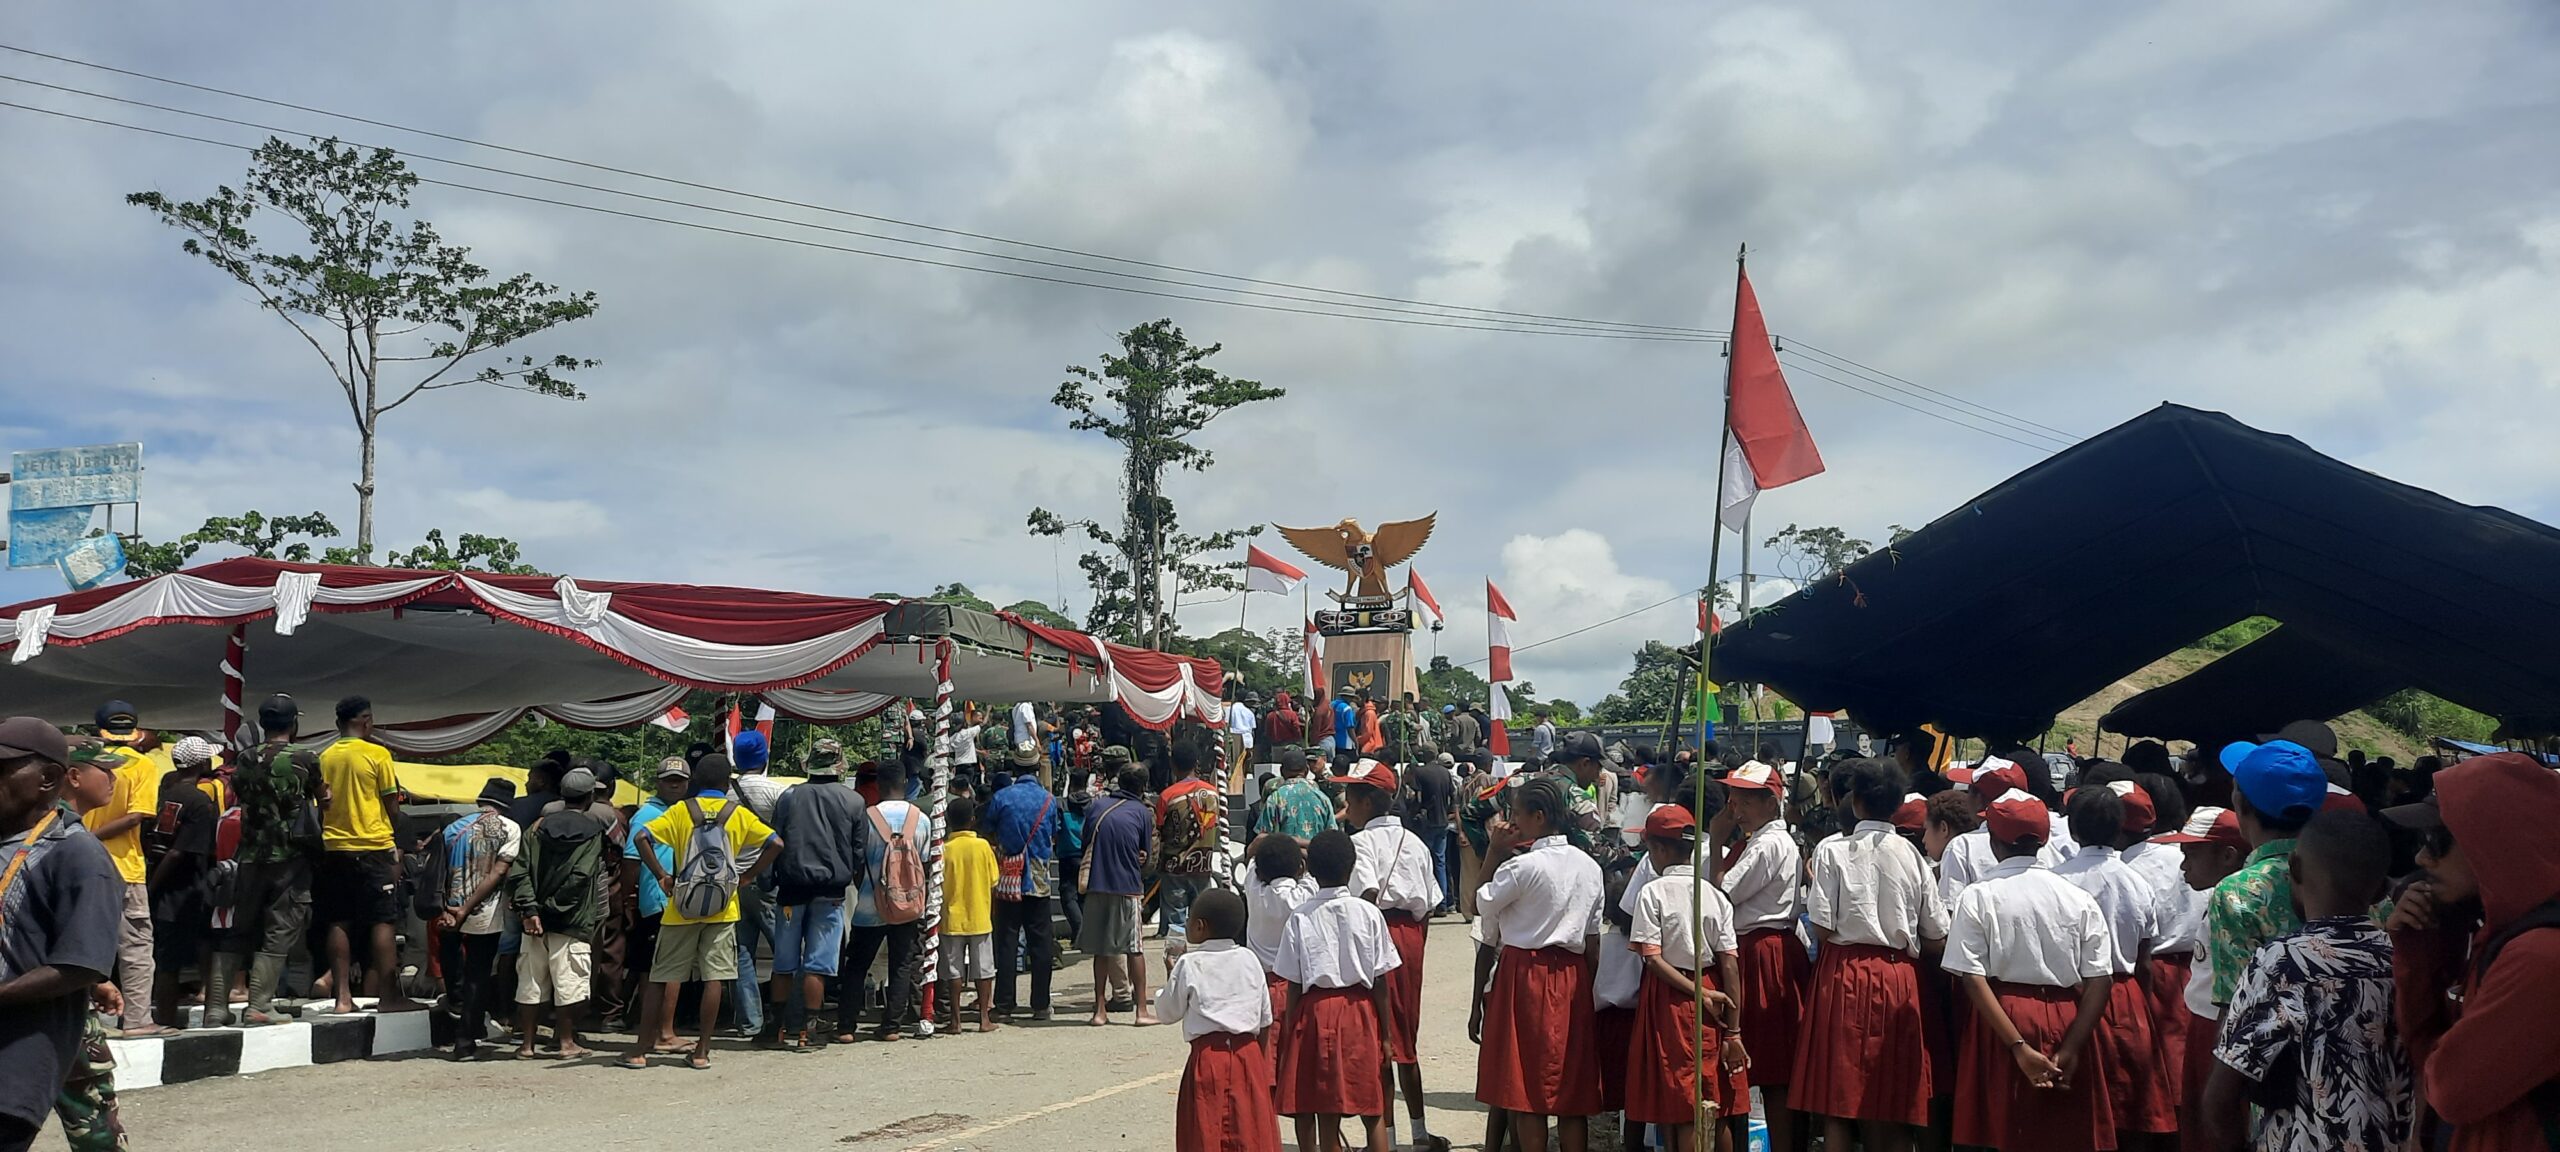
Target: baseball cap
<point>2280,778</point>
<point>28,736</point>
<point>1372,774</point>
<point>1579,746</point>
<point>1995,777</point>
<point>2013,819</point>
<point>278,711</point>
<point>2341,798</point>
<point>190,751</point>
<point>91,750</point>
<point>2209,825</point>
<point>1754,774</point>
<point>1446,709</point>
<point>579,782</point>
<point>117,717</point>
<point>1913,815</point>
<point>1116,754</point>
<point>674,768</point>
<point>1961,777</point>
<point>2139,812</point>
<point>1670,822</point>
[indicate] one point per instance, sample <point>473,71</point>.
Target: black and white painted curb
<point>316,1038</point>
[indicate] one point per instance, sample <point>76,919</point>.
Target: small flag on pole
<point>764,721</point>
<point>1424,602</point>
<point>1498,620</point>
<point>1315,663</point>
<point>674,720</point>
<point>1498,741</point>
<point>1264,572</point>
<point>1766,444</point>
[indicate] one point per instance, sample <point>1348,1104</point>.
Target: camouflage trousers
<point>87,1102</point>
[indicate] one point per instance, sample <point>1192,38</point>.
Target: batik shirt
<point>1297,809</point>
<point>2249,908</point>
<point>276,785</point>
<point>2313,1010</point>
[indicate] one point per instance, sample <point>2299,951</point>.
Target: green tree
<point>1663,677</point>
<point>1154,395</point>
<point>278,538</point>
<point>1444,683</point>
<point>472,552</point>
<point>1251,656</point>
<point>395,312</point>
<point>1812,555</point>
<point>1039,613</point>
<point>959,596</point>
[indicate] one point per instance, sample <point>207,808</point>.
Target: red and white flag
<point>1498,741</point>
<point>1264,572</point>
<point>675,720</point>
<point>1708,622</point>
<point>764,721</point>
<point>1498,620</point>
<point>1423,600</point>
<point>1315,665</point>
<point>1766,444</point>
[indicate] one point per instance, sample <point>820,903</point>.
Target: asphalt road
<point>1064,1086</point>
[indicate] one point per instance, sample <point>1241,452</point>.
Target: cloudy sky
<point>2338,221</point>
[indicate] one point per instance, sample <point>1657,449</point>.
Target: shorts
<point>356,888</point>
<point>969,957</point>
<point>176,943</point>
<point>696,952</point>
<point>808,939</point>
<point>554,967</point>
<point>1110,925</point>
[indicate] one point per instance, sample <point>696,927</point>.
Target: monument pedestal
<point>1380,663</point>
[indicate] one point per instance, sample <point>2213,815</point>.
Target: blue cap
<point>2280,778</point>
<point>748,752</point>
<point>1446,709</point>
<point>116,716</point>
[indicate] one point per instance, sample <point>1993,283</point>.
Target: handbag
<point>1010,869</point>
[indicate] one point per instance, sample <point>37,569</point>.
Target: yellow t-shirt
<point>674,831</point>
<point>359,775</point>
<point>968,885</point>
<point>137,790</point>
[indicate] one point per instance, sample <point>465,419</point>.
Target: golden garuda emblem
<point>1366,556</point>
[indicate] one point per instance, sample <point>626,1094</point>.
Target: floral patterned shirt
<point>2249,908</point>
<point>2311,1022</point>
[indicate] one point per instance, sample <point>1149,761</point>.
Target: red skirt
<point>1996,1107</point>
<point>1861,1053</point>
<point>1404,988</point>
<point>2201,1034</point>
<point>1613,1029</point>
<point>1279,990</point>
<point>1937,1024</point>
<point>1662,1065</point>
<point>1225,1105</point>
<point>1774,972</point>
<point>2165,986</point>
<point>2141,1094</point>
<point>1329,1056</point>
<point>1540,1054</point>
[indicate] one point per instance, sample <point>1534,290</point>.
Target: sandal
<point>700,1061</point>
<point>632,1062</point>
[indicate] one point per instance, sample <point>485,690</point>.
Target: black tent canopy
<point>2286,675</point>
<point>2030,597</point>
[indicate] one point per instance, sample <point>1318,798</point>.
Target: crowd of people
<point>2266,946</point>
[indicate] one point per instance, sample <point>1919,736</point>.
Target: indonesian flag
<point>1264,572</point>
<point>1766,444</point>
<point>1708,622</point>
<point>1498,620</point>
<point>729,734</point>
<point>1315,666</point>
<point>1499,740</point>
<point>1422,597</point>
<point>764,721</point>
<point>674,720</point>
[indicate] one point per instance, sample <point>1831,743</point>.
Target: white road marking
<point>1036,1113</point>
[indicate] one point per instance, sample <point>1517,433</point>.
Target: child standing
<point>968,914</point>
<point>1617,981</point>
<point>1663,1063</point>
<point>1215,989</point>
<point>2143,1104</point>
<point>1395,873</point>
<point>1755,859</point>
<point>1539,1056</point>
<point>2210,848</point>
<point>2032,952</point>
<point>1333,1042</point>
<point>1274,885</point>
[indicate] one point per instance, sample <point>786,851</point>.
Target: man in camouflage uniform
<point>86,1105</point>
<point>1593,795</point>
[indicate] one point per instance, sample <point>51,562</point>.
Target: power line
<point>1880,375</point>
<point>1889,398</point>
<point>918,225</point>
<point>1519,648</point>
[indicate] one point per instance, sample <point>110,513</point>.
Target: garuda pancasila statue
<point>1364,555</point>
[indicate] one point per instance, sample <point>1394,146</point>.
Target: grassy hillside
<point>2080,721</point>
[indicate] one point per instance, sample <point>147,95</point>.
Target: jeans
<point>1069,898</point>
<point>905,941</point>
<point>1443,865</point>
<point>1016,919</point>
<point>755,923</point>
<point>1174,895</point>
<point>469,961</point>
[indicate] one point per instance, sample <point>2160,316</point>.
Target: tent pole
<point>235,667</point>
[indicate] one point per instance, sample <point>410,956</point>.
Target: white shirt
<point>1397,864</point>
<point>1267,908</point>
<point>1240,722</point>
<point>1872,887</point>
<point>1216,987</point>
<point>1662,920</point>
<point>1025,724</point>
<point>1548,896</point>
<point>2200,986</point>
<point>1336,940</point>
<point>2181,909</point>
<point>1969,858</point>
<point>1762,884</point>
<point>1619,980</point>
<point>2024,925</point>
<point>961,747</point>
<point>2123,896</point>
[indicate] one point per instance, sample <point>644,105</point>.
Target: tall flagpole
<point>1706,1115</point>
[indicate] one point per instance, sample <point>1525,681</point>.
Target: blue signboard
<point>54,492</point>
<point>93,562</point>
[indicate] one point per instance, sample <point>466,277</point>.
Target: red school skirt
<point>1279,989</point>
<point>1862,1053</point>
<point>1612,1030</point>
<point>1663,1066</point>
<point>2201,1034</point>
<point>1329,1061</point>
<point>1937,1023</point>
<point>1225,1104</point>
<point>1404,987</point>
<point>1996,1107</point>
<point>1774,973</point>
<point>2165,987</point>
<point>1540,1051</point>
<point>2139,1091</point>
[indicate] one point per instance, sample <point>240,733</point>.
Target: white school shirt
<point>1619,979</point>
<point>2024,925</point>
<point>1662,920</point>
<point>2181,908</point>
<point>1267,908</point>
<point>2200,986</point>
<point>1969,857</point>
<point>1336,940</point>
<point>1762,884</point>
<point>1216,987</point>
<point>2126,899</point>
<point>1872,887</point>
<point>1548,896</point>
<point>1398,864</point>
<point>1240,723</point>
